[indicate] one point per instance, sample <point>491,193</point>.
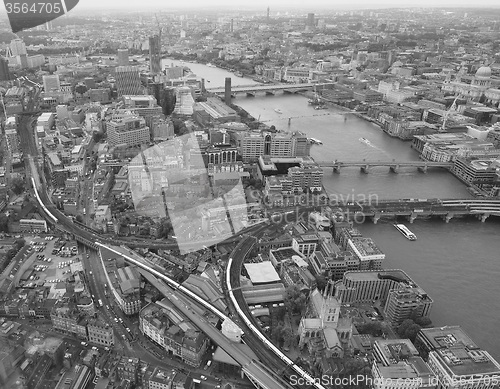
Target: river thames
<point>456,263</point>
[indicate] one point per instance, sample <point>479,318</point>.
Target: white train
<point>307,378</point>
<point>52,217</point>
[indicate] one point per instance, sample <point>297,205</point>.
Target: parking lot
<point>53,260</point>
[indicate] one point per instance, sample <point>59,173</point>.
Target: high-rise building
<point>17,47</point>
<point>128,81</point>
<point>123,57</point>
<point>130,131</point>
<point>310,20</point>
<point>51,83</point>
<point>4,69</point>
<point>154,54</point>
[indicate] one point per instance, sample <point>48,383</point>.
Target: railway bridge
<point>415,208</point>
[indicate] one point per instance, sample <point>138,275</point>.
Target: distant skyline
<point>283,4</point>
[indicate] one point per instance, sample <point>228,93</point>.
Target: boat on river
<point>405,231</point>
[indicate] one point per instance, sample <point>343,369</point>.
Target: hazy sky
<point>333,4</point>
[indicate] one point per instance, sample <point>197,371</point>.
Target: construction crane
<point>445,119</point>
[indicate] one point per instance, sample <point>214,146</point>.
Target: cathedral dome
<point>483,72</point>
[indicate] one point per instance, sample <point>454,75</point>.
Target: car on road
<point>203,377</point>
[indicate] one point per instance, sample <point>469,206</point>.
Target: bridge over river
<point>414,208</point>
<point>393,165</point>
<point>268,88</point>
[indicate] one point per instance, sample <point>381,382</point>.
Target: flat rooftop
<point>371,275</point>
<point>459,353</point>
<point>262,272</point>
<point>284,253</point>
<point>365,246</point>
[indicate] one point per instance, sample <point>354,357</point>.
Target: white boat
<point>211,65</point>
<point>364,140</point>
<point>278,110</point>
<point>315,141</point>
<point>405,231</point>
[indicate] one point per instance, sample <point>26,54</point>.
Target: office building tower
<point>154,54</point>
<point>128,81</point>
<point>369,285</point>
<point>51,83</point>
<point>267,13</point>
<point>310,20</point>
<point>4,69</point>
<point>129,131</point>
<point>306,178</point>
<point>123,57</point>
<point>17,47</point>
<point>406,301</point>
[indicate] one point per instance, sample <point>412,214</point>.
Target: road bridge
<point>393,165</point>
<point>268,89</point>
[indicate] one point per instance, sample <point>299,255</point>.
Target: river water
<point>457,263</point>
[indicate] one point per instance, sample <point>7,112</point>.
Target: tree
<point>412,331</point>
<point>320,281</point>
<point>18,185</point>
<point>97,136</point>
<point>79,218</point>
<point>20,244</point>
<point>4,223</point>
<point>81,89</point>
<point>277,333</point>
<point>288,337</point>
<point>295,301</point>
<point>404,326</point>
<point>165,228</point>
<point>374,328</point>
<point>423,321</point>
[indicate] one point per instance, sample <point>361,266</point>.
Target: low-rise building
<point>398,365</point>
<point>100,332</point>
<point>123,281</point>
<point>456,360</point>
<point>163,324</point>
